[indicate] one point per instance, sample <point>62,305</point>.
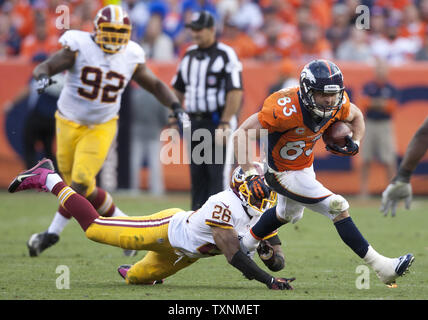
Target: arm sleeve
<point>249,268</point>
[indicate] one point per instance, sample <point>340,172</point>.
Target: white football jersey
<point>94,85</point>
<point>190,231</point>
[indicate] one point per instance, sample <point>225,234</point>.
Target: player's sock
<point>118,213</point>
<point>62,211</point>
<point>267,223</point>
<point>103,203</point>
<point>80,208</point>
<point>52,179</point>
<point>59,221</point>
<point>62,216</point>
<point>350,234</point>
<point>375,260</point>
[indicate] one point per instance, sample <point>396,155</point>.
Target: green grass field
<point>324,267</point>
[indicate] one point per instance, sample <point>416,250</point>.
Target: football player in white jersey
<point>175,238</point>
<point>99,65</point>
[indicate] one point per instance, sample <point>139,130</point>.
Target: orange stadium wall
<point>341,175</point>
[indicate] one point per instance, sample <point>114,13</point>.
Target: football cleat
<point>129,253</point>
<point>397,267</point>
<point>404,263</point>
<point>34,178</point>
<point>123,270</point>
<point>40,241</point>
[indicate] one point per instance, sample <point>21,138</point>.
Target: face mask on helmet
<point>112,29</point>
<point>111,38</point>
<point>254,206</point>
<point>322,108</point>
<point>321,88</point>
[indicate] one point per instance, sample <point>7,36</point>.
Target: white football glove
<point>395,192</point>
<point>184,119</point>
<point>43,82</point>
<point>181,115</point>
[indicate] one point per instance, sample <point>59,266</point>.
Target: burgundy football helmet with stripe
<point>112,28</point>
<point>253,205</point>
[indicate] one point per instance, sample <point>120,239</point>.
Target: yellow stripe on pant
<point>142,233</point>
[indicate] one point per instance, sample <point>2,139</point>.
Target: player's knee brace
<point>338,204</point>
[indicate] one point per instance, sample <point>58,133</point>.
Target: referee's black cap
<point>201,20</point>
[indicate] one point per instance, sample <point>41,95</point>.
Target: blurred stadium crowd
<point>256,29</point>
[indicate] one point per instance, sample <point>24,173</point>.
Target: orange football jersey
<point>292,133</point>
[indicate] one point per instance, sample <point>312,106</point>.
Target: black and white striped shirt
<point>206,75</point>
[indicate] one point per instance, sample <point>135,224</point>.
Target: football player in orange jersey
<point>295,119</point>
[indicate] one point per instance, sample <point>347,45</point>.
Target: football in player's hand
<point>336,133</point>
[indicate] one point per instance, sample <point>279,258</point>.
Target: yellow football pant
<point>82,150</point>
<point>142,233</point>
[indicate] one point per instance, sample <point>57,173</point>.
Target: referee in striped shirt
<point>209,84</point>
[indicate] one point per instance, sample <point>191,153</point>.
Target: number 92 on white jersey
<point>94,85</point>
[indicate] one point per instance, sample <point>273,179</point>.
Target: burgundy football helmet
<point>239,185</point>
<point>112,28</point>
